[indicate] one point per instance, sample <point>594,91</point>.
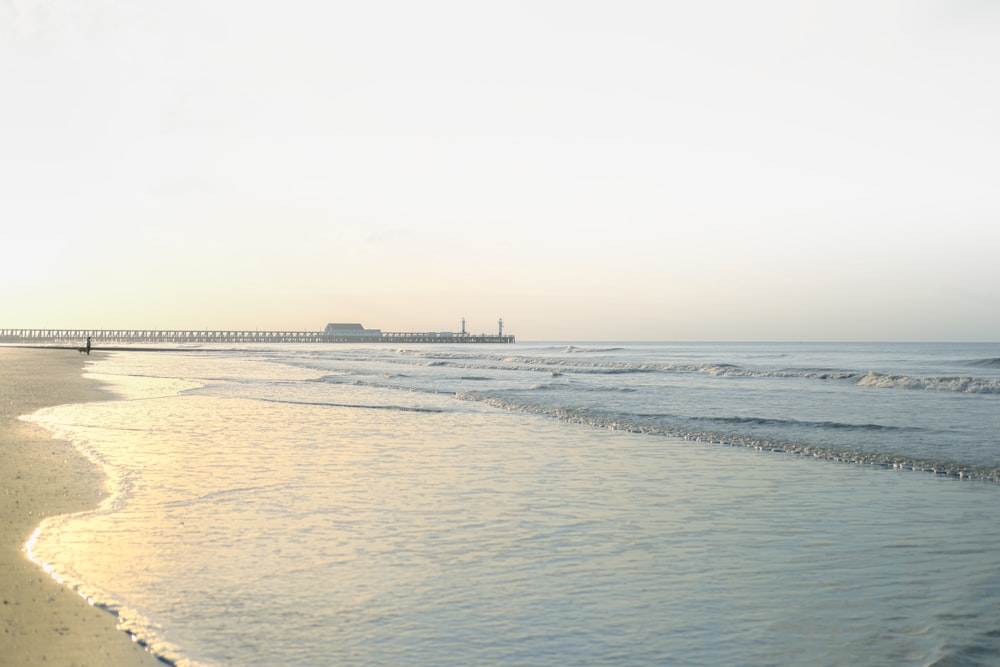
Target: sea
<point>549,503</point>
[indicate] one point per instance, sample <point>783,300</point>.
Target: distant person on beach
<point>88,344</point>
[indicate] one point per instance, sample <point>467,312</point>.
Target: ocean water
<point>544,504</point>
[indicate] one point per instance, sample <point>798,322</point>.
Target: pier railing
<point>105,336</point>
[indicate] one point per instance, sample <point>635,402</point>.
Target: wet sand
<point>42,622</point>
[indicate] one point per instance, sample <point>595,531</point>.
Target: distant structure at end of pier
<point>345,332</point>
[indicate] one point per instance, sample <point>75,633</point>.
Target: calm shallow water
<point>470,504</point>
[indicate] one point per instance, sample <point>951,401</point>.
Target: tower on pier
<point>501,327</point>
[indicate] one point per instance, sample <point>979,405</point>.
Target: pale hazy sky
<point>586,170</point>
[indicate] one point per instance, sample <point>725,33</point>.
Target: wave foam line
<point>889,461</point>
<point>394,408</point>
<point>138,627</point>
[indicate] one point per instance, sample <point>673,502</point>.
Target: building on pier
<point>350,330</point>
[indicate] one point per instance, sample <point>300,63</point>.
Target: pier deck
<point>105,336</point>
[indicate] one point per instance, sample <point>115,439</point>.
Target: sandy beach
<point>43,622</point>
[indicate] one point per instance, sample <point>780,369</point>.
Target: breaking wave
<point>965,385</point>
<point>483,367</point>
<point>993,362</point>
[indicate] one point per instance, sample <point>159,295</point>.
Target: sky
<point>629,170</point>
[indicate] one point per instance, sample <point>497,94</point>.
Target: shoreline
<point>42,621</point>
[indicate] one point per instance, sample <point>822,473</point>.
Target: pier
<point>119,336</point>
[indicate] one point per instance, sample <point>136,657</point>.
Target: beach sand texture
<point>42,622</point>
